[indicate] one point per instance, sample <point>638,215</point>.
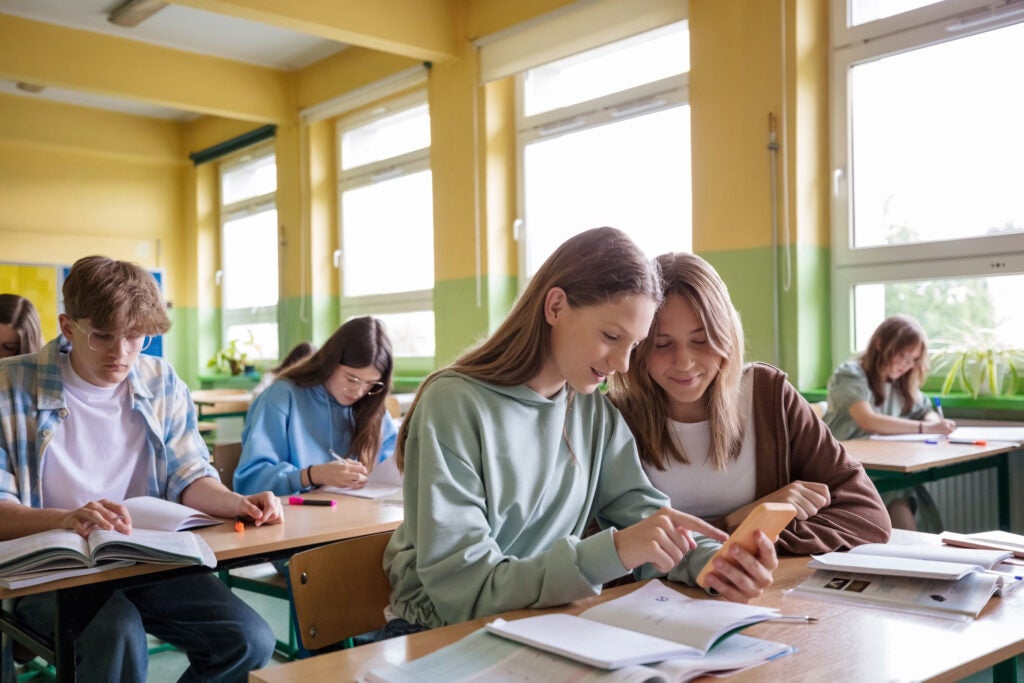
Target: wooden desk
<point>894,465</point>
<point>849,643</point>
<point>222,402</point>
<point>304,527</point>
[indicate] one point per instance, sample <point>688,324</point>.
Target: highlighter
<point>295,500</point>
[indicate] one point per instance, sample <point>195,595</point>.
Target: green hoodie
<point>496,502</point>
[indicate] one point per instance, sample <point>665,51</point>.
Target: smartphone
<point>771,518</point>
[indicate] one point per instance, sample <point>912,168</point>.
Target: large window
<point>249,259</point>
<point>927,145</point>
<point>604,139</point>
<point>387,221</point>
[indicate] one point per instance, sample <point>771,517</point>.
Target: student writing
<point>719,437</point>
<point>324,421</point>
<point>880,393</point>
<point>111,424</point>
<point>511,451</point>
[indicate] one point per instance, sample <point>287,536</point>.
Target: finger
<point>253,510</point>
<point>681,519</point>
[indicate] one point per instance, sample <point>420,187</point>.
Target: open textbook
<point>969,435</point>
<point>148,512</point>
<point>61,553</point>
<point>602,645</point>
<point>930,561</point>
<point>384,481</point>
<point>993,540</point>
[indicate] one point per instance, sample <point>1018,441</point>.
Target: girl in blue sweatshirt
<point>511,451</point>
<point>324,420</point>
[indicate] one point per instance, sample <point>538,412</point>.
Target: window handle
<point>336,257</point>
<point>218,278</point>
<point>837,178</point>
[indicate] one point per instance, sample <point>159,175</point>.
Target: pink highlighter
<point>295,500</point>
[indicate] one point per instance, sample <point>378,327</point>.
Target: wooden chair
<point>339,590</point>
<point>225,458</point>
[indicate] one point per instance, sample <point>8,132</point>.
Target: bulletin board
<point>41,284</point>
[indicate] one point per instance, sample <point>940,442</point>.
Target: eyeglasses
<point>105,341</point>
<point>357,385</point>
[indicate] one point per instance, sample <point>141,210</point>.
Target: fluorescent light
<point>134,12</point>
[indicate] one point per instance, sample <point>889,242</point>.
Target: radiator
<point>968,502</point>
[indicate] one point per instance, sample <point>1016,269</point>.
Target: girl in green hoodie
<point>511,451</point>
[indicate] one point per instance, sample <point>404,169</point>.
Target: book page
<point>934,552</point>
<point>483,658</point>
<point>148,545</point>
<point>56,548</point>
<point>149,512</point>
<point>658,610</point>
<point>384,481</point>
<point>1000,434</point>
<point>34,578</point>
<point>891,566</point>
<point>735,653</point>
<point>961,599</point>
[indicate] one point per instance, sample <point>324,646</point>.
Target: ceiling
<point>177,27</point>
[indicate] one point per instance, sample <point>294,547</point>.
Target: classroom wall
<point>72,176</point>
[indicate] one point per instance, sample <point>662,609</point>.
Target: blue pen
<point>938,407</point>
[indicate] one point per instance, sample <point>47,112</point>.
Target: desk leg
<point>1003,485</point>
<point>1005,671</point>
<point>75,609</point>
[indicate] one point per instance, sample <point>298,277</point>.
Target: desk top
<point>913,456</point>
<point>849,643</point>
<point>304,525</point>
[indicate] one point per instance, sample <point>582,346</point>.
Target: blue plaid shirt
<point>32,406</point>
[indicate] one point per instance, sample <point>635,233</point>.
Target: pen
<point>938,407</point>
<point>798,618</point>
<point>295,500</point>
<point>970,442</point>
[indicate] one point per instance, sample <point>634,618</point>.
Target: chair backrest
<point>339,590</point>
<point>225,459</point>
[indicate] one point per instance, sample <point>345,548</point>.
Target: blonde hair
<point>645,405</point>
<point>593,267</point>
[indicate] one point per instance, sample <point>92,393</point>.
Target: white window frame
<point>240,209</point>
<point>969,257</point>
<point>413,301</point>
<point>640,100</point>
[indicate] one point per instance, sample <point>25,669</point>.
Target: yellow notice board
<point>38,284</point>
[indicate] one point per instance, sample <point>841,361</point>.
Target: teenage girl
<point>511,451</point>
<point>20,331</point>
<point>881,394</point>
<point>718,437</point>
<point>323,422</point>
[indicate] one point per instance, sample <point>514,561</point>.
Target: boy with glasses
<point>86,423</point>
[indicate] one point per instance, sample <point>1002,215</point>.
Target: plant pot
<point>236,367</point>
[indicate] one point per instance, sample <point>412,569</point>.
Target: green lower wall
<point>804,322</point>
<point>463,315</point>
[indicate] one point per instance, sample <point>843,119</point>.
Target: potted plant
<point>980,363</point>
<point>234,357</point>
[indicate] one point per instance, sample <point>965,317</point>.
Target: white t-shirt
<point>697,488</point>
<point>97,450</point>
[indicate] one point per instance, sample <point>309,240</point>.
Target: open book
<point>968,435</point>
<point>921,561</point>
<point>993,540</point>
<point>650,624</point>
<point>60,553</point>
<point>149,512</point>
<point>383,482</point>
<point>565,649</point>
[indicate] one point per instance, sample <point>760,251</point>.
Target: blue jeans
<point>223,637</point>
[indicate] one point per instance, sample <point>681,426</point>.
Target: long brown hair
<point>593,267</point>
<point>645,404</point>
<point>897,334</point>
<point>21,315</point>
<point>359,343</point>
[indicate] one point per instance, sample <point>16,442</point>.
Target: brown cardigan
<point>791,444</point>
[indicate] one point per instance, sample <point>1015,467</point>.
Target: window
<point>604,139</point>
<point>928,216</point>
<point>249,259</point>
<point>386,199</point>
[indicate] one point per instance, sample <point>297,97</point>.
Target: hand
<point>345,473</point>
<point>940,426</point>
<point>261,508</point>
<point>98,514</point>
<point>806,496</point>
<point>744,576</point>
<point>662,539</point>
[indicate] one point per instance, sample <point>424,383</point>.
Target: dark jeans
<point>223,637</point>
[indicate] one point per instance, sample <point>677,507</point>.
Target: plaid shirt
<point>32,406</point>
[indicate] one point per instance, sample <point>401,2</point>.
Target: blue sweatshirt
<point>289,428</point>
<point>497,501</point>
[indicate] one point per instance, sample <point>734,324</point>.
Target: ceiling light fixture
<point>133,12</point>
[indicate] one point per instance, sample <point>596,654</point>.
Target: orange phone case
<point>771,518</point>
